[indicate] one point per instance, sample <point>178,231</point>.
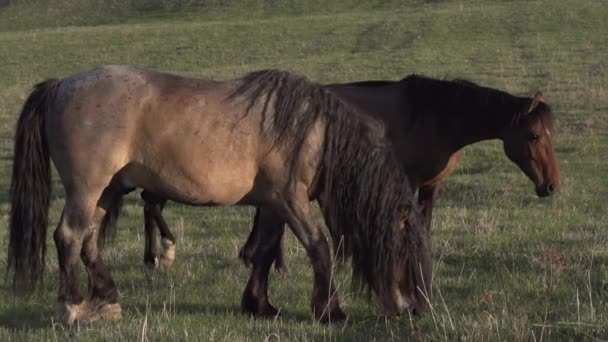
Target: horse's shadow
<point>27,317</point>
<point>33,317</point>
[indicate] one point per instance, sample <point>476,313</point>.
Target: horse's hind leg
<point>69,236</point>
<point>153,217</point>
<point>296,211</point>
<point>102,289</point>
<point>255,297</point>
<point>249,249</point>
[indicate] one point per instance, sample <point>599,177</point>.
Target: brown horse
<point>429,122</point>
<point>270,139</point>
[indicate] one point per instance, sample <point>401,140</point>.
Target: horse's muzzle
<point>545,190</point>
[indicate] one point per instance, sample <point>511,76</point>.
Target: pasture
<point>508,266</point>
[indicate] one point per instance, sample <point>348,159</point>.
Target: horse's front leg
<point>297,212</point>
<point>427,194</point>
<point>268,237</point>
<point>428,191</point>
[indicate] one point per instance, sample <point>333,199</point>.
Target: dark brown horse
<point>270,139</point>
<point>429,122</point>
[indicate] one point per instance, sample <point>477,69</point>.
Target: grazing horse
<point>429,122</point>
<point>270,139</point>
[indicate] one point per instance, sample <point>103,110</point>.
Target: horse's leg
<point>150,259</point>
<point>102,289</point>
<point>296,212</point>
<point>248,251</point>
<point>427,192</point>
<point>255,297</point>
<point>153,217</point>
<point>426,197</point>
<point>279,254</point>
<point>167,241</point>
<point>73,227</point>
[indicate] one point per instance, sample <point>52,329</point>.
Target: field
<point>508,266</point>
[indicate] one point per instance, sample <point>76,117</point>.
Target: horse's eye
<point>534,137</point>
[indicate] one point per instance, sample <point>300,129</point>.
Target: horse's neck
<point>400,111</point>
<point>468,123</point>
<point>423,148</point>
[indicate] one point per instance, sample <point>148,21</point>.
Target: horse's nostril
<point>550,188</point>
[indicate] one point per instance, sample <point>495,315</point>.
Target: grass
<point>508,266</point>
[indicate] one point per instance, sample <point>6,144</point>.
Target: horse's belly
<point>217,188</point>
<point>192,183</point>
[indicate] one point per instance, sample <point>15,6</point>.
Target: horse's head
<point>410,290</point>
<point>529,144</point>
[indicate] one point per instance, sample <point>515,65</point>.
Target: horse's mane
<point>445,97</point>
<point>366,84</point>
<point>360,177</point>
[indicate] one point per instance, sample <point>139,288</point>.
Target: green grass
<point>508,266</point>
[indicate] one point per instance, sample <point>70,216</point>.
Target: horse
<point>271,139</point>
<point>429,123</point>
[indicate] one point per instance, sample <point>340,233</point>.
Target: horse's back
<point>153,130</point>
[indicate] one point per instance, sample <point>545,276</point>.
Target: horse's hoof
<point>152,266</point>
<point>333,316</point>
<point>267,311</point>
<point>166,263</point>
<point>270,312</point>
<point>167,258</point>
<point>251,307</point>
<point>110,311</point>
<point>81,313</point>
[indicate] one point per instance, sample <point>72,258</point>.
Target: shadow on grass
<point>356,327</point>
<point>26,317</point>
<point>471,195</point>
<point>186,308</point>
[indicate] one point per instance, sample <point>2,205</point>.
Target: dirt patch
<point>552,259</point>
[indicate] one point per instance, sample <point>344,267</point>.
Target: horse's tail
<point>30,190</point>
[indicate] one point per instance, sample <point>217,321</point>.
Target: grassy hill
<point>507,265</point>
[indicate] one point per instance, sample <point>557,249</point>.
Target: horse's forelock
<point>544,113</point>
<point>541,113</point>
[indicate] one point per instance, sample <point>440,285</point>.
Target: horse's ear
<point>538,98</point>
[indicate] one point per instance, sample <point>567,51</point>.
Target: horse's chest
<point>424,165</point>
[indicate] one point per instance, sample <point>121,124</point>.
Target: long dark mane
<point>361,180</point>
<point>484,106</point>
<point>367,84</point>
